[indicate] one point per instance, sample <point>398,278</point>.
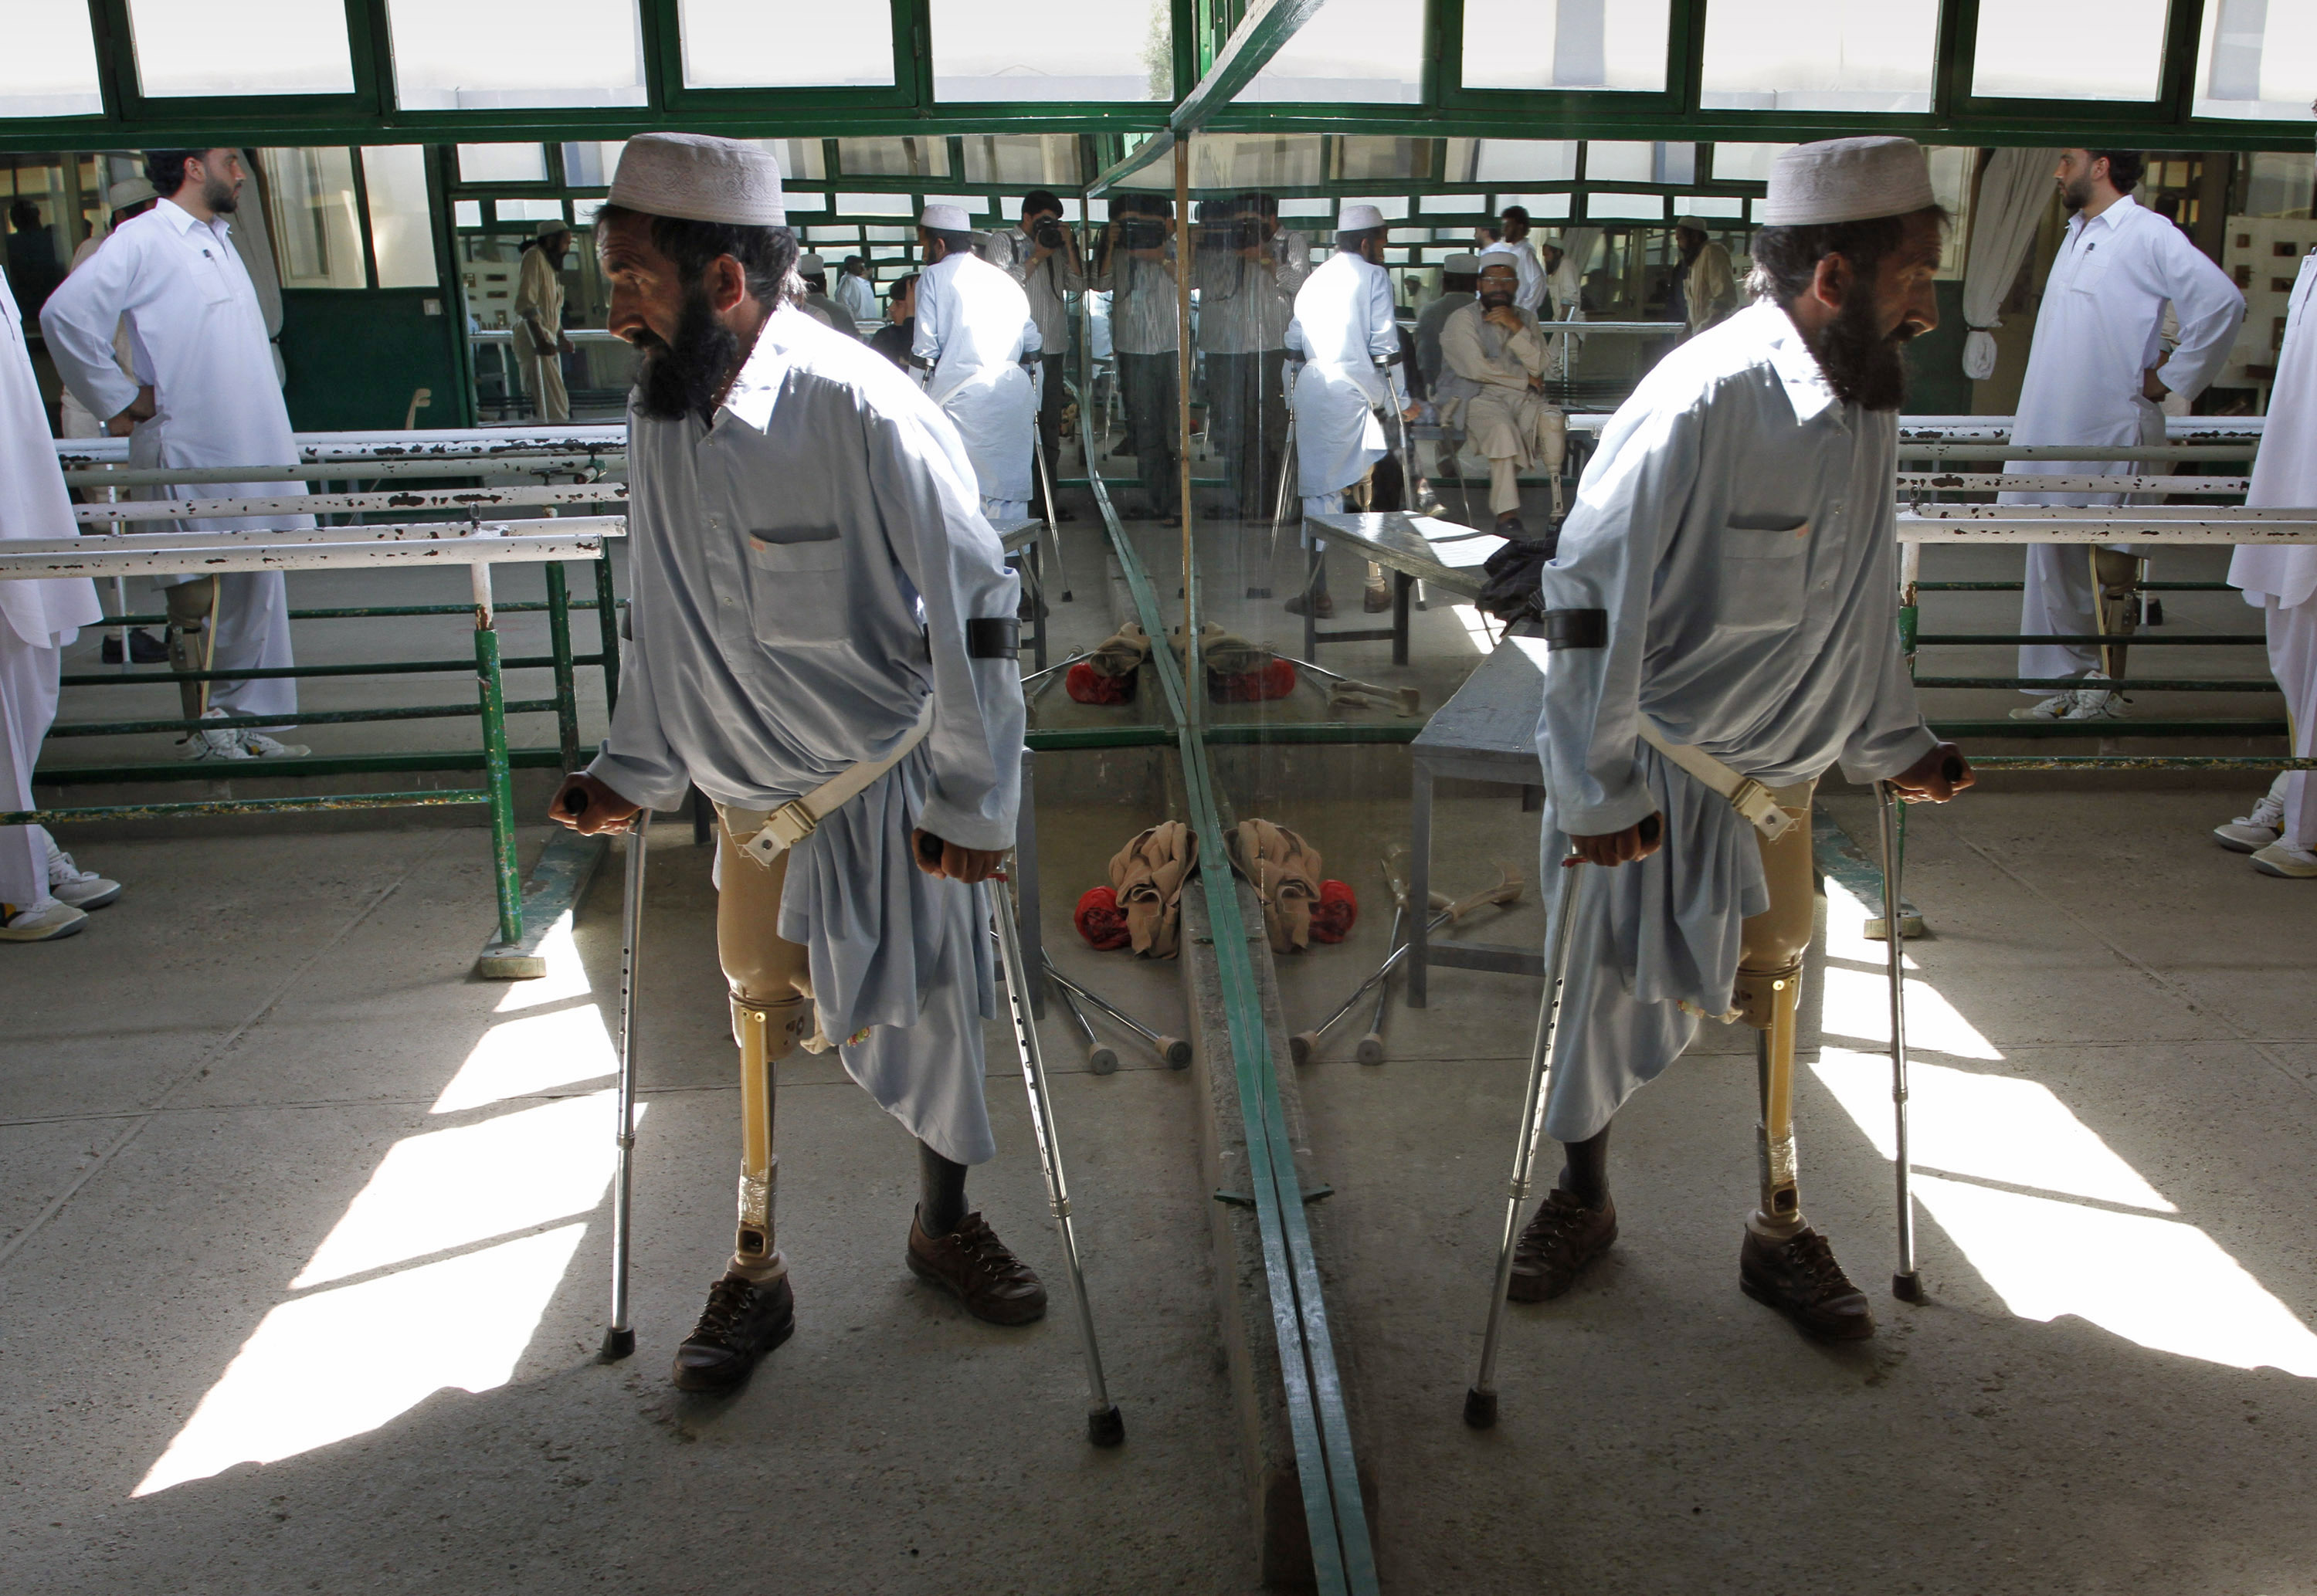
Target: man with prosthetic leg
<point>1723,606</point>
<point>823,642</point>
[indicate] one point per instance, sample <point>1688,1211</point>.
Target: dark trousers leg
<point>1148,381</point>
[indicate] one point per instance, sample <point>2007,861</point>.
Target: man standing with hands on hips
<point>823,644</point>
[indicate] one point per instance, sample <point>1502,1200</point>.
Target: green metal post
<point>558,632</point>
<point>497,778</point>
<point>607,619</point>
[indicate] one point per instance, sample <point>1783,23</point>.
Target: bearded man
<point>1499,353</point>
<point>1725,602</point>
<point>823,644</point>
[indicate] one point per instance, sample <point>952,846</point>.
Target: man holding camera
<point>1043,255</point>
<point>1248,273</point>
<point>1136,258</point>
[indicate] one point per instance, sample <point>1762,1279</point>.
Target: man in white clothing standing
<point>203,393</point>
<point>1529,295</point>
<point>1347,336</point>
<point>1041,254</point>
<point>42,897</point>
<point>854,292</point>
<point>2095,377</point>
<point>974,331</point>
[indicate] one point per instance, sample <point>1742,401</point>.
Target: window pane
<point>401,242</point>
<point>1624,207</point>
<point>1619,161</point>
<point>1746,163</point>
<point>1565,44</point>
<point>1508,160</point>
<point>590,165</point>
<point>1041,159</point>
<point>2044,50</point>
<point>530,210</point>
<point>2259,60</point>
<point>1052,49</point>
<point>503,163</point>
<point>847,46</point>
<point>1804,55</point>
<point>1354,51</point>
<point>2278,185</point>
<point>241,47</point>
<point>806,160</point>
<point>477,54</point>
<point>51,61</point>
<point>892,157</point>
<point>466,213</point>
<point>309,200</point>
<point>1255,160</point>
<point>1363,157</point>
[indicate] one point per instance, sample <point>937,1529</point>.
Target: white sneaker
<point>2249,834</point>
<point>44,921</point>
<point>83,889</point>
<point>2055,707</point>
<point>2283,859</point>
<point>216,745</point>
<point>258,746</point>
<point>2096,703</point>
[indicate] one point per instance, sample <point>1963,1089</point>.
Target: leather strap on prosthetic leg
<point>2116,582</point>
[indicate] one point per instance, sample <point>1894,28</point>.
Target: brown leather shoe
<point>1322,605</point>
<point>1560,1244</point>
<point>1376,597</point>
<point>742,1322</point>
<point>1799,1278</point>
<point>972,1265</point>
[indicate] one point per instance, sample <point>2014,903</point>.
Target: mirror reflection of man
<point>1043,255</point>
<point>1500,352</point>
<point>1248,273</point>
<point>203,392</point>
<point>540,340</point>
<point>1137,257</point>
<point>2096,374</point>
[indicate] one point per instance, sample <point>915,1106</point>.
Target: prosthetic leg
<point>1552,438</point>
<point>2116,602</point>
<point>193,640</point>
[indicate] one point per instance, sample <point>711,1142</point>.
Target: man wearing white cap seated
<point>823,644</point>
<point>974,334</point>
<point>1347,336</point>
<point>1723,606</point>
<point>1709,291</point>
<point>1499,352</point>
<point>814,270</point>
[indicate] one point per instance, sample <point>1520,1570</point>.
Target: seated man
<point>1499,352</point>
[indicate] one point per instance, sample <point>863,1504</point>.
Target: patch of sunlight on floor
<point>337,1364</point>
<point>566,977</point>
<point>536,1053</point>
<point>448,1188</point>
<point>2159,1283</point>
<point>1996,1127</point>
<point>1476,628</point>
<point>1858,1005</point>
<point>1846,930</point>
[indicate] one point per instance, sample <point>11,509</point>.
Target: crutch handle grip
<point>1370,1049</point>
<point>1650,829</point>
<point>1951,769</point>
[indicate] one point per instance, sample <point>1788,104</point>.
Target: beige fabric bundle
<point>1285,870</point>
<point>1223,651</point>
<point>1147,875</point>
<point>1122,653</point>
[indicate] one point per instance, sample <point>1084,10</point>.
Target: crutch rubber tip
<point>1479,1408</point>
<point>1370,1049</point>
<point>1302,1045</point>
<point>617,1345</point>
<point>1101,1061</point>
<point>1907,1288</point>
<point>1174,1051</point>
<point>1107,1428</point>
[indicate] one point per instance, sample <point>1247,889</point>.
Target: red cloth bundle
<point>1087,685</point>
<point>1100,921</point>
<point>1274,681</point>
<point>1335,913</point>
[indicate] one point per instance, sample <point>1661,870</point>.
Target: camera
<point>1047,233</point>
<point>1142,232</point>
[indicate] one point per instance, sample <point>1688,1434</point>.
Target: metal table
<point>1414,549</point>
<point>1485,732</point>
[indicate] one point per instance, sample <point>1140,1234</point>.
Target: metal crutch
<point>620,1336</point>
<point>1101,1060</point>
<point>1173,1051</point>
<point>1481,1398</point>
<point>1104,1426</point>
<point>1906,1284</point>
<point>1053,515</point>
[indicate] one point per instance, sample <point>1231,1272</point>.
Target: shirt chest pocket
<point>209,276</point>
<point>797,591</point>
<point>1764,572</point>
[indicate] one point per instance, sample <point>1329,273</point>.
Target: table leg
<point>1419,881</point>
<point>1402,585</point>
<point>1310,613</point>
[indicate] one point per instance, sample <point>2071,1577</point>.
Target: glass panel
<point>2048,49</point>
<point>401,240</point>
<point>1611,161</point>
<point>1635,207</point>
<point>583,212</point>
<point>1354,51</point>
<point>2259,58</point>
<point>802,160</point>
<point>1805,55</point>
<point>1566,44</point>
<point>892,157</point>
<point>587,166</point>
<point>530,210</point>
<point>877,205</point>
<point>241,47</point>
<point>1746,163</point>
<point>479,55</point>
<point>1052,49</point>
<point>466,213</point>
<point>795,202</point>
<point>843,46</point>
<point>2277,185</point>
<point>1039,159</point>
<point>503,163</point>
<point>40,237</point>
<point>309,201</point>
<point>51,62</point>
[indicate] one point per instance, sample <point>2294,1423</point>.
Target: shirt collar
<point>2113,218</point>
<point>757,386</point>
<point>182,220</point>
<point>1790,357</point>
